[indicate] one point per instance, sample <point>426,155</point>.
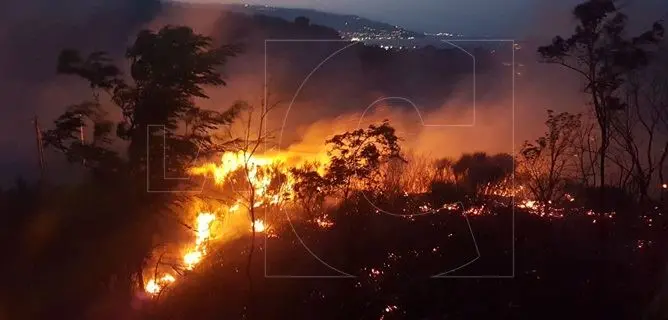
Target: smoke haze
<point>32,34</point>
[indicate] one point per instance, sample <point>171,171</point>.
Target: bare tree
<point>585,150</point>
<point>599,53</point>
<point>640,129</point>
<point>255,135</point>
<point>548,160</point>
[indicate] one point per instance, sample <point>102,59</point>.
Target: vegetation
<point>599,51</point>
<point>525,230</point>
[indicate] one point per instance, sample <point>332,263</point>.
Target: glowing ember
<point>425,208</point>
<point>451,206</point>
<point>528,204</point>
<point>477,211</point>
<point>324,222</point>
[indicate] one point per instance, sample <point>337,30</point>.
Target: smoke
<point>340,89</point>
<point>447,131</point>
<point>32,33</point>
<point>332,99</point>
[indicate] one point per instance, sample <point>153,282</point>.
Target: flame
<point>258,175</point>
<point>192,257</point>
<point>259,226</point>
<point>154,286</point>
<point>259,171</point>
<point>204,221</point>
<point>256,169</point>
<point>203,234</point>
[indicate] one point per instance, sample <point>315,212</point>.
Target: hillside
<point>345,24</point>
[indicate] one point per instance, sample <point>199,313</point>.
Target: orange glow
<point>259,226</point>
<point>192,257</point>
<point>154,286</point>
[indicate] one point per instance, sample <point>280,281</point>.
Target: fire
<point>191,258</point>
<point>260,171</point>
<point>229,163</point>
<point>203,224</point>
<point>204,221</point>
<point>258,174</point>
<point>324,222</point>
<point>155,286</point>
<point>528,204</point>
<point>259,226</point>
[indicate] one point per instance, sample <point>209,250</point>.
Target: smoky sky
<point>33,32</point>
<point>491,18</point>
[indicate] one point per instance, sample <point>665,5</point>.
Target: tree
<point>585,147</point>
<point>411,174</point>
<point>254,135</point>
<point>640,126</point>
<point>478,171</point>
<point>547,160</point>
<point>356,157</point>
<point>160,124</point>
<point>599,52</point>
<point>310,189</point>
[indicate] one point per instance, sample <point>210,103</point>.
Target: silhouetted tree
<point>163,129</point>
<point>547,160</point>
<point>477,171</point>
<point>639,128</point>
<point>310,189</point>
<point>356,156</point>
<point>600,53</point>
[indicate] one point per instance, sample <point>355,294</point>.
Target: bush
<point>441,193</point>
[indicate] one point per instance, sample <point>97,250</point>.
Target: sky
<point>33,32</point>
<point>501,18</point>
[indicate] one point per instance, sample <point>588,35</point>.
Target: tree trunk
<point>604,149</point>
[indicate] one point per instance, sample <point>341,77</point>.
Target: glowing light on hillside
<point>324,222</point>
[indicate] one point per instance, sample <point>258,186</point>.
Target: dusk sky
<point>32,33</point>
<point>503,18</point>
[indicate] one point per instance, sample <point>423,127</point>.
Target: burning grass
<point>270,181</point>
